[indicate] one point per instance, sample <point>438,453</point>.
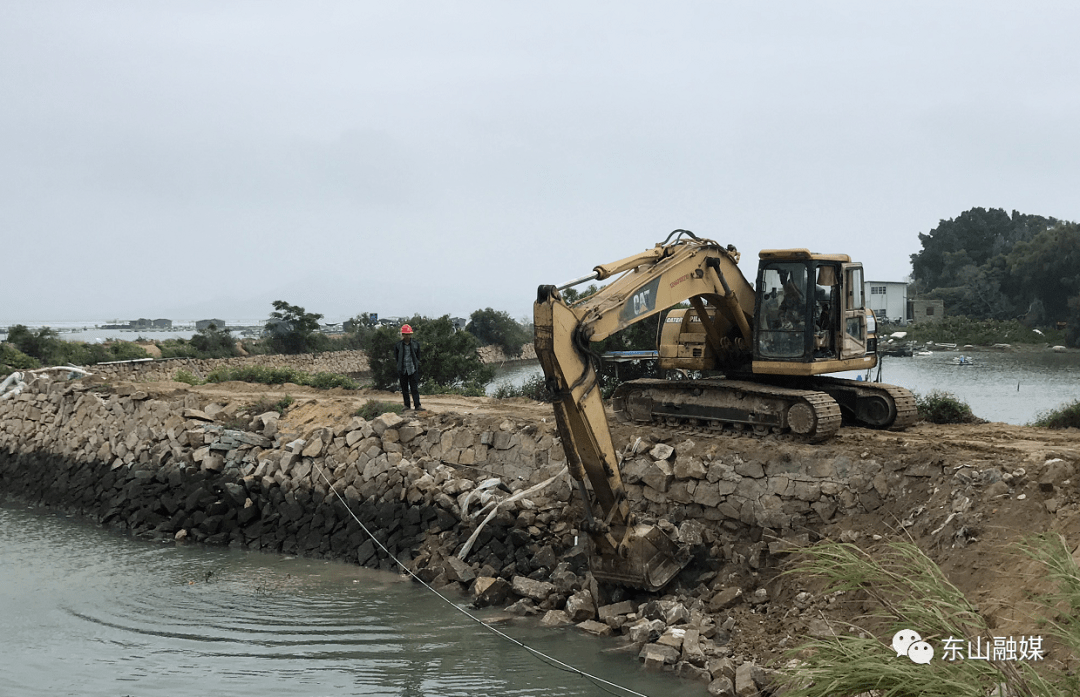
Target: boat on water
<point>963,360</point>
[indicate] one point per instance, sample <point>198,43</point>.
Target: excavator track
<point>869,404</point>
<point>718,404</point>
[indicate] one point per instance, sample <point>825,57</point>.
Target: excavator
<point>753,359</point>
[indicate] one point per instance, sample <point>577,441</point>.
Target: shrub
<point>940,407</point>
<point>186,377</point>
<point>325,381</point>
<point>177,348</point>
<point>212,342</point>
<point>266,404</point>
<point>45,345</point>
<point>280,376</point>
<point>257,373</point>
<point>534,387</point>
<point>12,359</point>
<point>1066,416</point>
<point>374,408</point>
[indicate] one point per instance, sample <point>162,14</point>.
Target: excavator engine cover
<point>647,560</point>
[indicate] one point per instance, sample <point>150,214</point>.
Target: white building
<point>887,300</point>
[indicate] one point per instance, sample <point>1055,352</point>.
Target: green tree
<point>1047,268</point>
<point>291,329</point>
<point>42,344</point>
<point>12,359</point>
<point>447,358</point>
<point>213,342</point>
<point>358,331</point>
<point>972,238</point>
<point>495,327</point>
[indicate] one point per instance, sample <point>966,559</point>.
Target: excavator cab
<point>810,315</point>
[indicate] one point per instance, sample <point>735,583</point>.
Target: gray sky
<point>195,159</point>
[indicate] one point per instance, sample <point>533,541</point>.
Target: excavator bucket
<point>649,560</point>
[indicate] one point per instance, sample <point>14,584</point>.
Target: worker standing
<point>407,354</point>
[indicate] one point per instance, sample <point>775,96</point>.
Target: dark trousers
<point>410,383</point>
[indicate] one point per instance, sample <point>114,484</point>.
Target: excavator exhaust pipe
<point>648,559</point>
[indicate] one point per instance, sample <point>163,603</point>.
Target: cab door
<point>853,330</point>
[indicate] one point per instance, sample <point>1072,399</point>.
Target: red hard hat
<point>406,329</point>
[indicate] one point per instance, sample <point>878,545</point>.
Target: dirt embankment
<point>987,487</point>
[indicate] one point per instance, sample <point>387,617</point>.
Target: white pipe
<point>17,379</point>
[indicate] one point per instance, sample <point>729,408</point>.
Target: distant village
<point>143,324</point>
<point>888,300</point>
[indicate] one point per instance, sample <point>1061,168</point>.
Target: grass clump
<point>266,404</point>
<point>941,407</point>
<point>909,592</point>
<point>373,408</point>
<point>534,387</point>
<point>1067,416</point>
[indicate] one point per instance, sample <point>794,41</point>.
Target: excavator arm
<point>673,272</point>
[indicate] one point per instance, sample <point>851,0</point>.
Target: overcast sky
<point>197,159</point>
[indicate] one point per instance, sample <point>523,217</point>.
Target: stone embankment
<point>341,362</point>
<point>182,468</point>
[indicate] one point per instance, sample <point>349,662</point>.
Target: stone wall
<point>342,362</point>
<point>182,469</point>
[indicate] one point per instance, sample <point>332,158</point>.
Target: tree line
<point>989,264</point>
<point>450,359</point>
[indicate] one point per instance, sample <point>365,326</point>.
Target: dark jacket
<point>399,354</point>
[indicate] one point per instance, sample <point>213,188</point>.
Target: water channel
<point>87,612</point>
<point>1012,387</point>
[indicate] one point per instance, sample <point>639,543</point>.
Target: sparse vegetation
<point>186,377</point>
<point>939,407</point>
<point>280,376</point>
<point>268,404</point>
<point>981,332</point>
<point>909,591</point>
<point>46,346</point>
<point>374,408</point>
<point>12,359</point>
<point>1066,416</point>
<point>471,389</point>
<point>534,387</point>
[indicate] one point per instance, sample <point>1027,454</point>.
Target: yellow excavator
<point>764,350</point>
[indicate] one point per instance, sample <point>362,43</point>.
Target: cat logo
<point>643,301</point>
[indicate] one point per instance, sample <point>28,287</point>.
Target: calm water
<point>1009,387</point>
<point>87,612</point>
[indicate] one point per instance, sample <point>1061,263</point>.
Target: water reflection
<point>89,612</point>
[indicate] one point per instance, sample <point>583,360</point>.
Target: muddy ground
<point>996,490</point>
